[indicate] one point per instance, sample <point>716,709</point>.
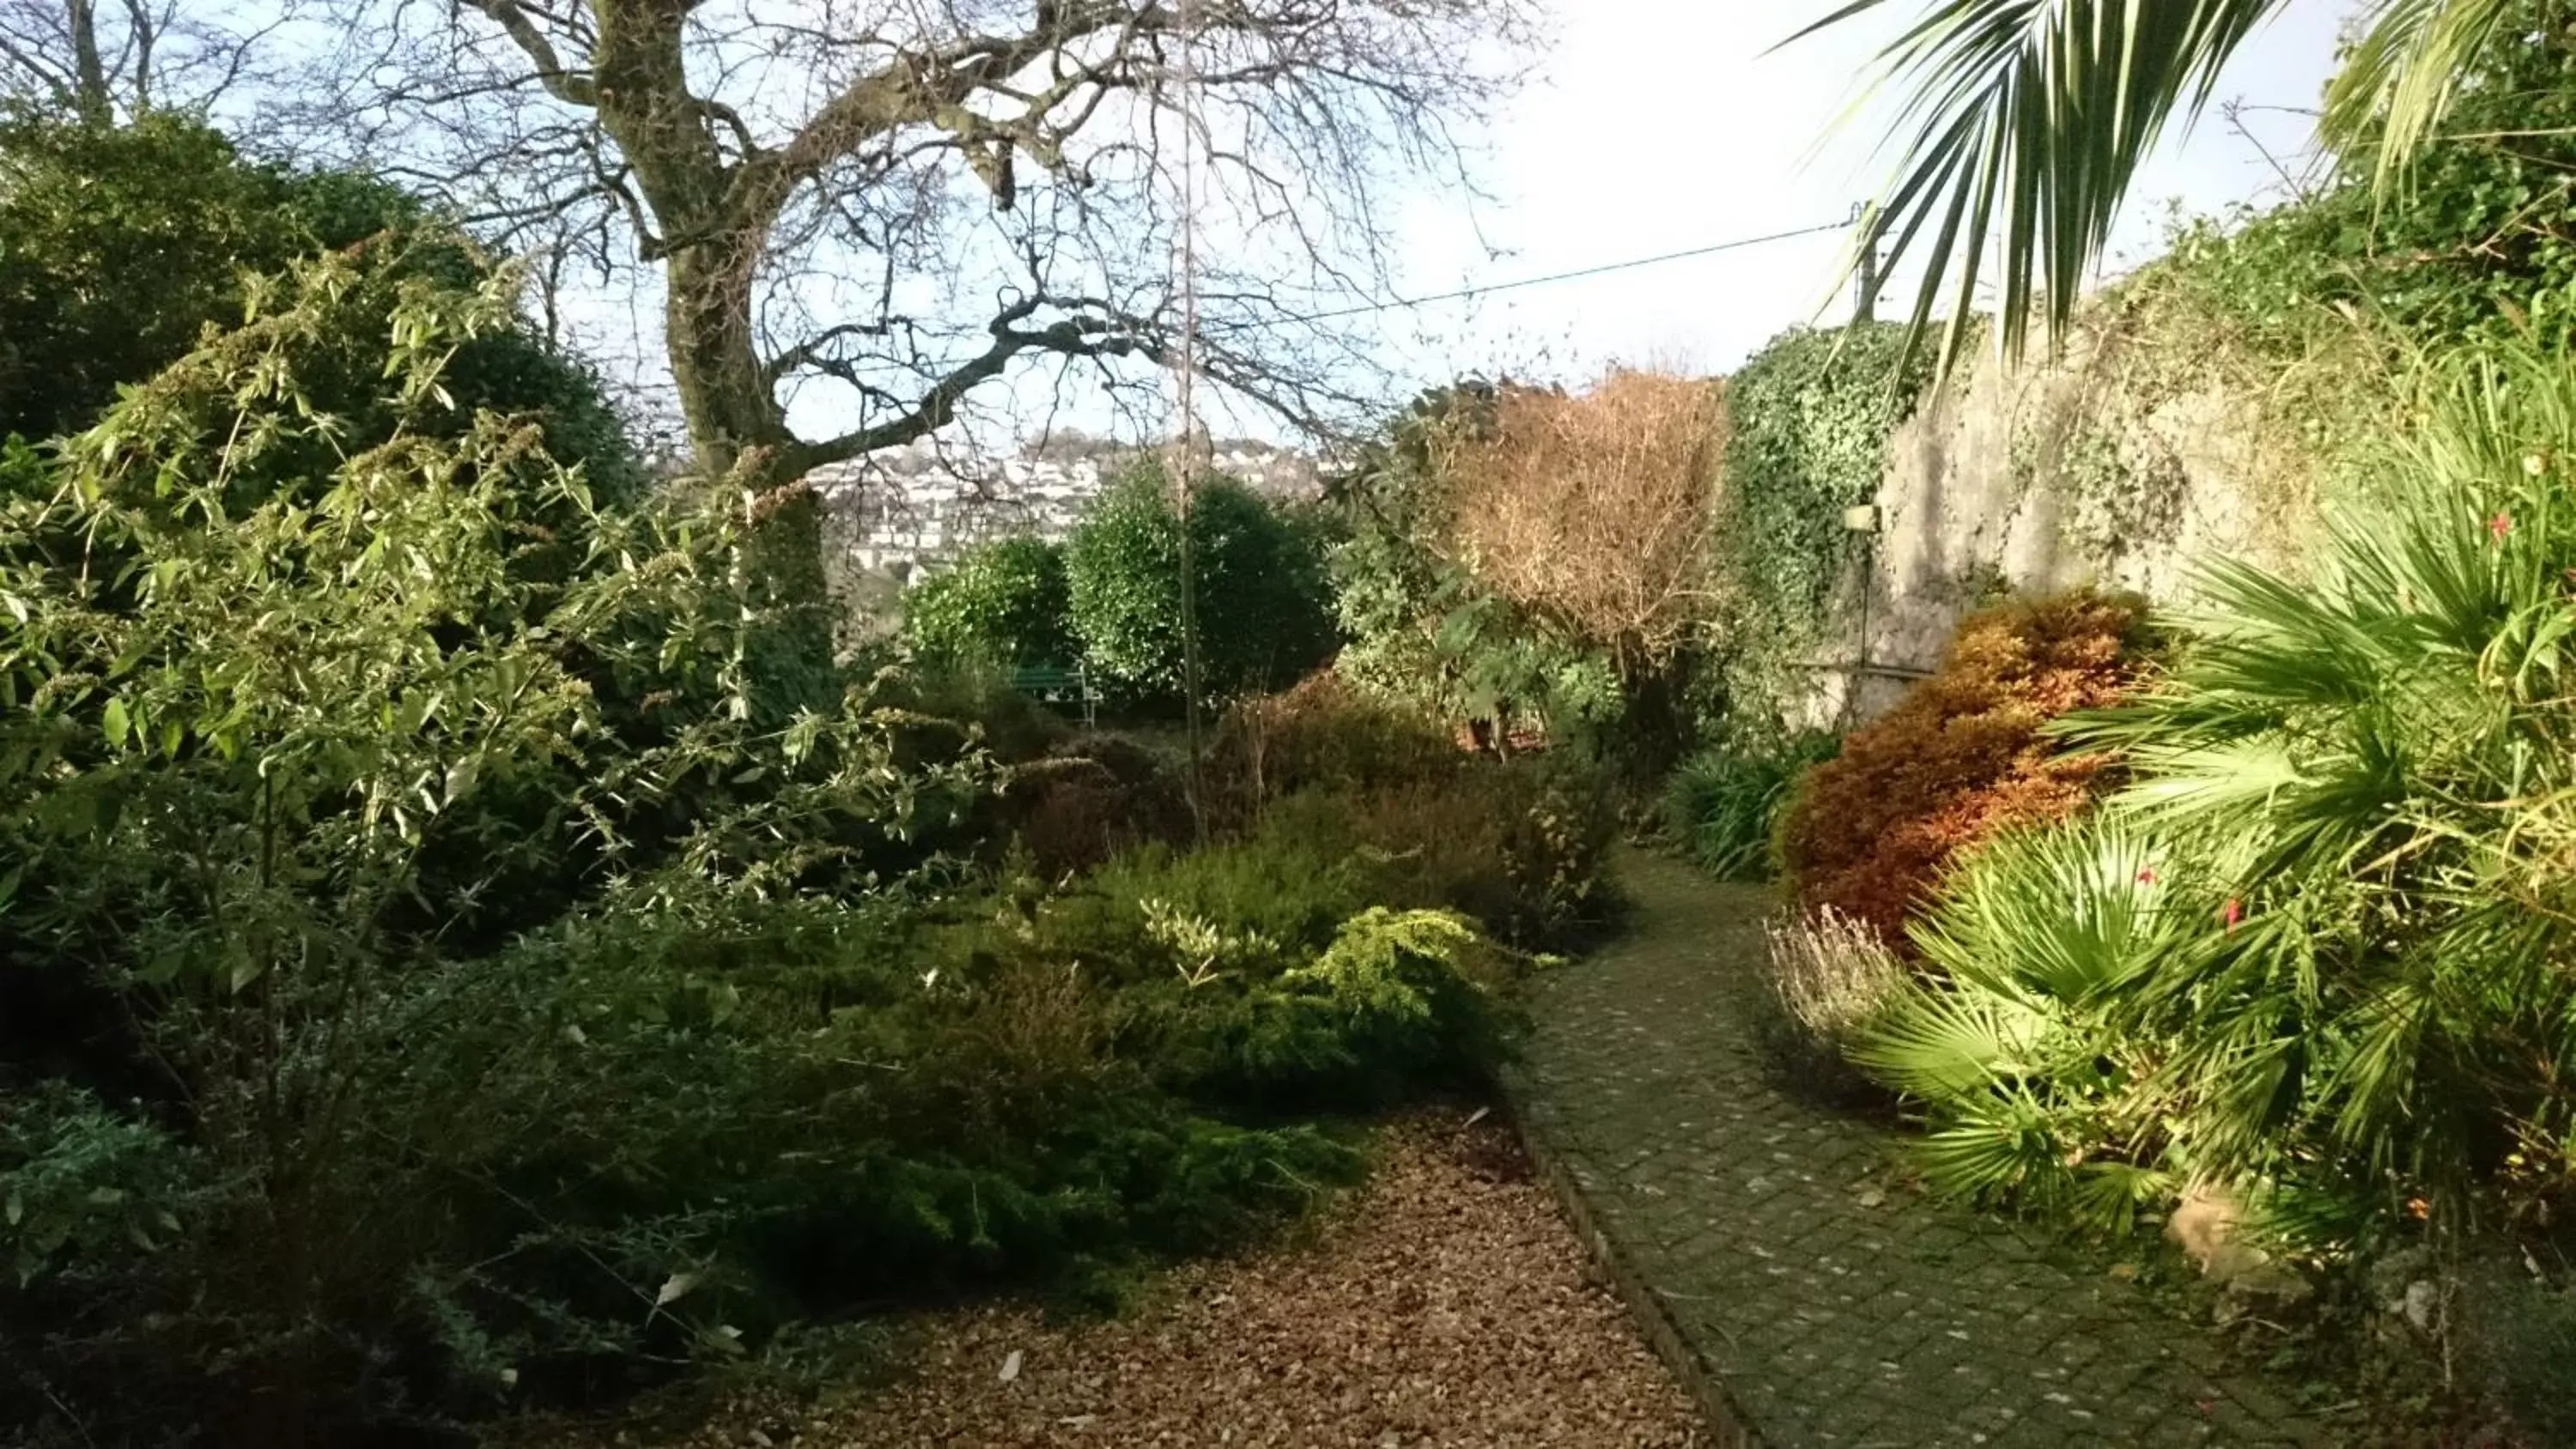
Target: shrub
<point>120,245</point>
<point>1591,515</point>
<point>1518,846</point>
<point>1723,805</point>
<point>2366,767</point>
<point>1829,978</point>
<point>1962,756</point>
<point>1093,798</point>
<point>1000,604</point>
<point>1323,734</point>
<point>2034,1086</point>
<point>1262,608</point>
<point>330,813</point>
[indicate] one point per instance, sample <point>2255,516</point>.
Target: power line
<point>1464,293</point>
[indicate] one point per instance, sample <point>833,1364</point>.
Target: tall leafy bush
<point>1263,611</point>
<point>120,245</point>
<point>1001,603</point>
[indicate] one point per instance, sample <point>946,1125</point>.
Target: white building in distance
<point>905,511</point>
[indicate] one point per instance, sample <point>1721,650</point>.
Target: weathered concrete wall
<point>2046,477</point>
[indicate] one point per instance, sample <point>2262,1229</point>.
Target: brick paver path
<point>1829,1308</point>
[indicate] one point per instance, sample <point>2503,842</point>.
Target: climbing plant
<point>1812,414</point>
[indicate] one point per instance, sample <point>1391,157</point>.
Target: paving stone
<point>1828,1323</point>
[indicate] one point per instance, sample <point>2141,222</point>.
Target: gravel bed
<point>1448,1304</point>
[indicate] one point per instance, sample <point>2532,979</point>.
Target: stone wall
<point>2047,476</point>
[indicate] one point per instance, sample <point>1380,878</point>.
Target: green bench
<point>1049,684</point>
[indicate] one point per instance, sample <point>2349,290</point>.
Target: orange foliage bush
<point>1961,757</point>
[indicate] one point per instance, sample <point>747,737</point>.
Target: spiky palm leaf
<point>2023,122</point>
<point>2392,746</point>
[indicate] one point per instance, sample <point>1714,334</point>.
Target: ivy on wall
<point>1812,414</point>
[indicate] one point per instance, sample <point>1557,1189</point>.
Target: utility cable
<point>1394,304</point>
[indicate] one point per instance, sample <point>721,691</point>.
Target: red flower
<point>2499,526</point>
<point>2147,876</point>
<point>2235,912</point>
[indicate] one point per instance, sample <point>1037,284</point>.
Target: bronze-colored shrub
<point>1962,756</point>
<point>1593,511</point>
<point>1520,847</point>
<point>1323,734</point>
<point>1093,798</point>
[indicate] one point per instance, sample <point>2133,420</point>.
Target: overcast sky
<point>1655,126</point>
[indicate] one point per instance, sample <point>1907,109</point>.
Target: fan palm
<point>2393,745</point>
<point>2023,123</point>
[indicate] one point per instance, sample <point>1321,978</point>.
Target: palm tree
<point>2023,123</point>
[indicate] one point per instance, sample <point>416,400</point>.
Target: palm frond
<point>2023,123</point>
<point>1937,1043</point>
<point>2398,80</point>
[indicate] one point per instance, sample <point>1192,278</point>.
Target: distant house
<point>902,512</point>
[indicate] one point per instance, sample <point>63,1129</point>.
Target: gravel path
<point>1447,1305</point>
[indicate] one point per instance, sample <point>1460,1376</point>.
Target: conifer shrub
<point>1965,754</point>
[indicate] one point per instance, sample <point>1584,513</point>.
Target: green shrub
<point>2035,1087</point>
<point>1722,806</point>
<point>120,245</point>
<point>1262,606</point>
<point>999,604</point>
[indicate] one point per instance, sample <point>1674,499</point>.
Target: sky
<point>1648,127</point>
<point>1653,126</point>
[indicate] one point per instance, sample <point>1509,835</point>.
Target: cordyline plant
<point>2020,124</point>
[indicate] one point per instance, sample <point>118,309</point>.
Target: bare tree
<point>1593,513</point>
<point>102,60</point>
<point>864,211</point>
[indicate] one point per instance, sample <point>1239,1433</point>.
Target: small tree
<point>1003,602</point>
<point>1263,613</point>
<point>1591,513</point>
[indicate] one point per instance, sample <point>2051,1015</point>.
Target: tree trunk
<point>89,69</point>
<point>735,426</point>
<point>784,558</point>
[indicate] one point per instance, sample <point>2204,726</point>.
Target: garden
<point>475,952</point>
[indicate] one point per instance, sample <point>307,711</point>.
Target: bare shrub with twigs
<point>1593,510</point>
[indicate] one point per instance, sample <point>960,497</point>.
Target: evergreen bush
<point>1965,754</point>
<point>1262,608</point>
